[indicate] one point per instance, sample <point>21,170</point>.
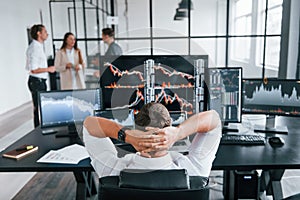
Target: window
<point>254,42</point>
<point>248,36</point>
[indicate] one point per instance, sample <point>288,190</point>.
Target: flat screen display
<point>123,81</point>
<point>66,107</point>
<point>225,93</point>
<point>120,116</point>
<point>271,97</point>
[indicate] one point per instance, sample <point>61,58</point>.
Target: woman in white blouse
<point>70,64</point>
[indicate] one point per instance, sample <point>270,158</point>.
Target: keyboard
<point>243,139</point>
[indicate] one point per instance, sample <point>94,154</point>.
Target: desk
<point>229,157</point>
<point>82,170</point>
<point>273,161</point>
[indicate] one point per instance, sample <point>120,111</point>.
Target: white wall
<point>16,16</point>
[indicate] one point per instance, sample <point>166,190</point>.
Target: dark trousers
<point>35,85</point>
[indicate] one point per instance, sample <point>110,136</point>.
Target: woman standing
<point>69,62</point>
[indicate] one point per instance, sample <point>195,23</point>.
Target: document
<point>68,155</point>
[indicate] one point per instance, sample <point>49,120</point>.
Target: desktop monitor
<point>225,93</point>
<point>272,97</point>
<point>67,107</point>
<point>123,81</point>
<point>178,117</point>
<point>120,116</point>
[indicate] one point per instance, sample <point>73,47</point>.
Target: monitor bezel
<point>70,123</point>
<point>265,112</point>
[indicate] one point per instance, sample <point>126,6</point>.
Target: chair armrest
<point>154,179</point>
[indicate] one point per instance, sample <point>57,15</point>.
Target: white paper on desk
<point>67,155</point>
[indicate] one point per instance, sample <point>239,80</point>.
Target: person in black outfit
<point>37,66</point>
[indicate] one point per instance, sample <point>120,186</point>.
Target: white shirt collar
<point>37,42</point>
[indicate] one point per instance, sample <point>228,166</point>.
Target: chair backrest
<point>136,186</point>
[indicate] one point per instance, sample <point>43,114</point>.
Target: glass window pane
<point>57,45</point>
<point>208,17</point>
<point>93,47</point>
<point>135,47</point>
<point>272,3</point>
<point>213,47</point>
<point>243,7</point>
<point>239,49</point>
<point>272,56</point>
<point>61,11</point>
<point>133,15</point>
<point>171,46</point>
<point>92,63</point>
<point>244,52</point>
<point>142,32</point>
<point>81,46</point>
<point>274,20</point>
<point>79,19</point>
<point>241,17</point>
<point>261,15</point>
<point>259,52</point>
<point>163,19</point>
<point>91,22</point>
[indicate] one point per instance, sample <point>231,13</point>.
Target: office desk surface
<point>230,157</point>
<point>45,144</point>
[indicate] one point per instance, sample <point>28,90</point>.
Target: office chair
<point>150,185</point>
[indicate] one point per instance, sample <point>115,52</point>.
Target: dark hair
<point>108,31</point>
<point>154,115</point>
<point>63,46</point>
<point>65,41</point>
<point>35,29</point>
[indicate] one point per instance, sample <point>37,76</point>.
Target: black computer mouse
<point>276,141</point>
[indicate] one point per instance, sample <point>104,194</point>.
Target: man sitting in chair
<point>152,137</point>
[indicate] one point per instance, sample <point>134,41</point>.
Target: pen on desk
<point>25,148</point>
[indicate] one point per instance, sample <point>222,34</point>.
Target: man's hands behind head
<point>167,137</point>
<point>144,142</point>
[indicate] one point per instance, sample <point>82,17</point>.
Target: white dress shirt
<point>36,58</point>
<point>198,162</point>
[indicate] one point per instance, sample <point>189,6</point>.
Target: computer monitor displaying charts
<point>225,93</point>
<point>67,107</point>
<point>124,84</point>
<point>272,97</point>
<point>121,116</point>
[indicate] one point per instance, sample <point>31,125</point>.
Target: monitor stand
<point>72,132</point>
<point>270,127</point>
<point>226,128</point>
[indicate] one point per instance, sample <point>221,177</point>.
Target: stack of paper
<point>68,155</point>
